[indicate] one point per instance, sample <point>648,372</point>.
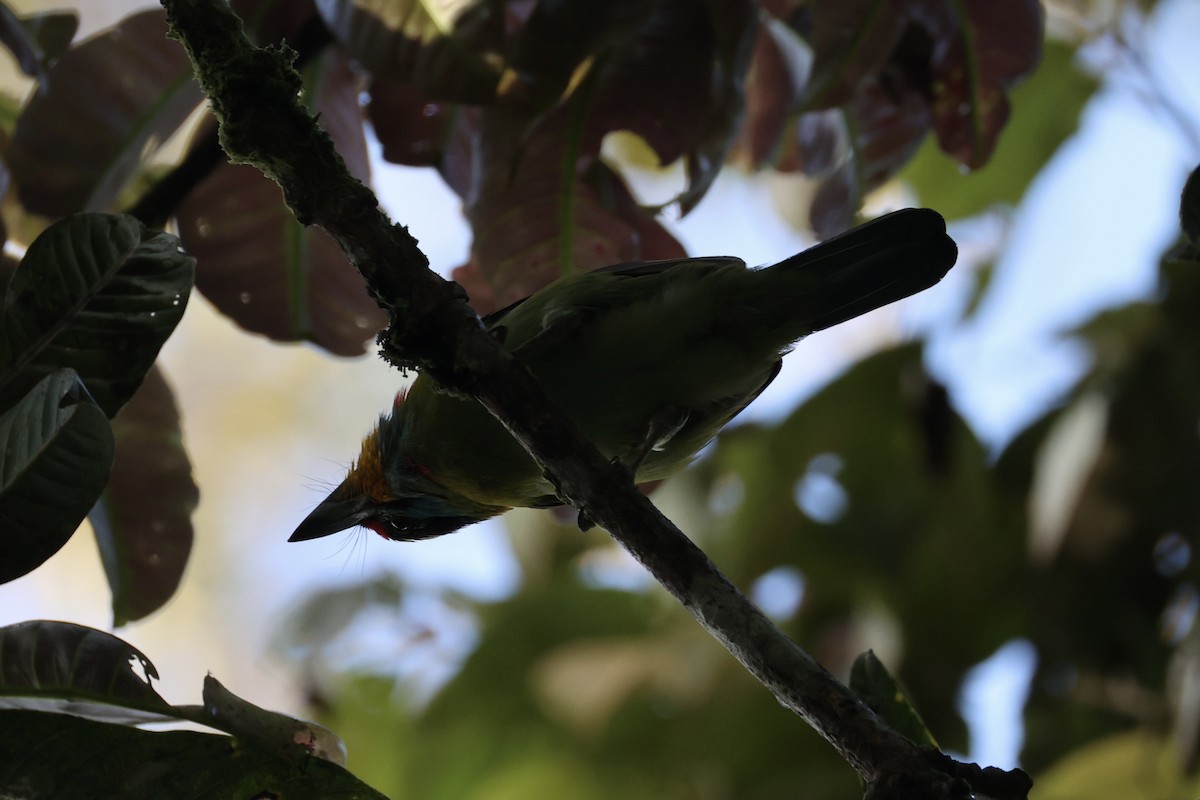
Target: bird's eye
<point>410,529</point>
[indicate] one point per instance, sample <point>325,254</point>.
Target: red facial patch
<point>371,523</point>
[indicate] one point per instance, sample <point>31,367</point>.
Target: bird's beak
<point>332,515</point>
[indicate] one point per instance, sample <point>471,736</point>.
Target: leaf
<point>324,615</point>
<point>1068,454</point>
<point>263,269</point>
<point>883,694</point>
<point>583,683</point>
<point>1046,109</point>
<point>143,522</point>
<point>269,730</point>
<point>90,669</point>
<point>779,69</point>
<point>981,50</point>
<point>537,220</point>
<point>75,670</point>
<point>96,293</point>
<point>882,74</point>
<point>56,450</point>
<point>38,39</point>
<point>44,755</point>
<point>449,50</point>
<point>882,498</point>
<point>851,41</point>
<point>884,124</point>
<point>1133,764</point>
<point>560,35</point>
<point>679,84</point>
<point>107,103</point>
<point>412,129</point>
<point>1189,208</point>
<point>275,20</point>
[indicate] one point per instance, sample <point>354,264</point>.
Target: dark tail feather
<point>880,262</point>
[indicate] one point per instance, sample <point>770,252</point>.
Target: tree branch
<point>254,95</point>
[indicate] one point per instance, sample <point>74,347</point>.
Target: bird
<point>650,360</point>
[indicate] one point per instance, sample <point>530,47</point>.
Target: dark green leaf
<point>106,103</point>
<point>883,694</point>
<point>1135,763</point>
<point>143,522</point>
<point>1189,208</point>
<point>325,614</point>
<point>56,450</point>
<point>96,293</point>
<point>450,50</point>
<point>52,755</point>
<point>880,496</point>
<point>89,669</point>
<point>84,672</point>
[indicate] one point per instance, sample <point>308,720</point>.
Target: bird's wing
<point>628,269</point>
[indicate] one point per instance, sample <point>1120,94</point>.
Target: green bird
<point>650,360</point>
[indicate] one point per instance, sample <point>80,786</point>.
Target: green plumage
<point>650,360</point>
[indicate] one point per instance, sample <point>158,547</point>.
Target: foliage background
<point>871,515</point>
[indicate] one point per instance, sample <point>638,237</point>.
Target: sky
<point>1087,236</point>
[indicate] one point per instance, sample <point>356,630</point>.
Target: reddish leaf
<point>457,166</point>
<point>107,103</point>
<point>654,242</point>
<point>851,40</point>
<point>259,266</point>
<point>143,521</point>
<point>410,126</point>
<point>449,50</point>
<point>38,39</point>
<point>976,59</point>
<point>524,239</point>
<point>819,143</point>
<point>773,86</point>
<point>560,34</point>
<point>679,85</point>
<point>479,292</point>
<point>540,214</point>
<point>836,201</point>
<point>889,121</point>
<point>274,20</point>
<point>883,73</point>
<point>418,131</point>
<point>332,90</point>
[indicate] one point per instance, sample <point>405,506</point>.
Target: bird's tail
<point>884,260</point>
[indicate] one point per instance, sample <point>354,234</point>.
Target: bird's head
<point>388,492</point>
